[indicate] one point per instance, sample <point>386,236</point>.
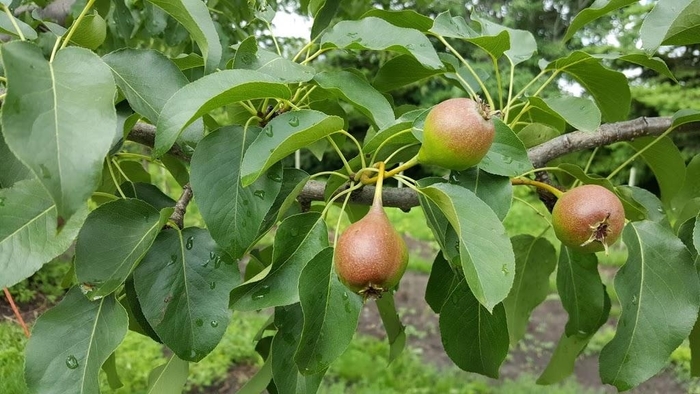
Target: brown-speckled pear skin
<point>371,252</point>
<point>580,208</point>
<point>456,135</point>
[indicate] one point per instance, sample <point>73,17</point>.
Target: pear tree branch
<point>539,155</point>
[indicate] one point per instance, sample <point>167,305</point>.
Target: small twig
<point>16,311</point>
<point>178,217</point>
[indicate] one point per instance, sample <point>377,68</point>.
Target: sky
<point>291,25</point>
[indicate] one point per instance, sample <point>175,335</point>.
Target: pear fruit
<point>370,255</point>
<point>588,218</point>
<point>457,134</point>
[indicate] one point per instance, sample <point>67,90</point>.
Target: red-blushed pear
<point>370,255</point>
<point>457,134</point>
<point>588,218</point>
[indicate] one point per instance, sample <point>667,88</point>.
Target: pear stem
<point>403,167</point>
<point>529,182</point>
<point>378,187</point>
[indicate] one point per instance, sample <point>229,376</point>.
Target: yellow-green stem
<point>114,178</point>
<point>359,147</point>
<point>105,195</point>
<point>323,173</point>
<point>403,167</point>
<point>396,152</point>
<point>536,211</point>
<point>353,186</point>
<point>529,182</point>
<point>639,153</point>
<point>499,82</point>
<point>120,170</point>
<point>588,166</point>
<point>340,217</point>
<point>14,22</point>
<point>302,50</point>
<point>489,99</point>
<point>75,24</point>
<point>378,187</point>
<point>506,110</point>
<point>386,141</point>
<point>342,156</point>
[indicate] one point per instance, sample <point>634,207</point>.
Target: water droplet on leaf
<point>345,295</point>
<point>260,293</point>
<point>634,300</point>
<point>260,194</point>
<point>72,362</point>
<point>268,131</point>
<point>294,121</point>
<point>214,323</point>
<point>189,243</point>
<point>212,255</point>
<point>212,285</point>
<point>217,262</point>
<point>173,259</point>
<point>199,322</point>
<point>504,269</point>
<point>274,177</point>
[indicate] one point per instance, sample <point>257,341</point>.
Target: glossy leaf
<point>169,377</point>
<point>659,292</point>
<point>360,94</point>
<point>377,34</point>
<point>493,43</point>
<point>535,260</point>
<point>440,283</point>
<point>194,16</point>
<point>250,57</point>
<point>402,18</point>
<point>537,133</point>
<point>522,42</point>
<point>298,239</point>
<point>658,22</point>
<point>685,29</point>
<point>653,63</point>
<point>183,284</point>
<point>395,330</point>
<point>609,89</point>
<point>401,71</point>
<point>284,135</point>
<point>149,193</point>
<point>485,251</point>
<point>581,291</point>
<point>146,78</point>
<point>39,122</point>
<point>399,132</point>
<point>331,313</point>
<point>289,321</point>
<point>494,190</point>
<point>234,215</point>
<point>28,236</point>
<point>581,113</point>
<point>208,93</point>
<point>665,160</point>
<point>596,10</point>
<point>88,332</point>
<point>507,156</point>
<point>475,338</point>
<point>113,240</point>
<point>323,16</point>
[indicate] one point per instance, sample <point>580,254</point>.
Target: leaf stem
<point>357,143</point>
<point>489,99</point>
<point>307,46</point>
<point>529,182</point>
<point>396,152</point>
<point>342,156</point>
<point>16,311</point>
<point>412,162</point>
<point>506,110</point>
<point>499,82</point>
<point>14,22</point>
<point>114,178</point>
<point>322,173</point>
<point>105,195</point>
<point>353,186</point>
<point>340,218</point>
<point>588,166</point>
<point>314,55</point>
<point>76,23</point>
<point>386,141</point>
<point>538,170</point>
<point>537,211</point>
<point>121,171</point>
<point>640,152</point>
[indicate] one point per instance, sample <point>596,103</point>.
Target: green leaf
<point>28,236</point>
<point>494,190</point>
<point>536,133</point>
<point>447,25</point>
<point>581,291</point>
<point>522,42</point>
<point>494,43</point>
<point>399,132</point>
<point>685,116</point>
<point>440,283</point>
<point>690,188</point>
<point>323,16</point>
<point>331,312</point>
<point>234,215</point>
<point>485,251</point>
<point>91,32</point>
<point>648,202</point>
<point>402,18</point>
<point>183,284</point>
<point>475,338</point>
<point>663,19</point>
<point>507,156</point>
<point>123,19</point>
<point>535,260</point>
<point>581,113</point>
<point>194,16</point>
<point>71,341</point>
<point>298,240</point>
<point>696,235</point>
<point>377,34</point>
<point>596,10</point>
<point>609,89</point>
<point>113,240</point>
<point>289,321</point>
<point>7,27</point>
<point>395,330</point>
<point>208,93</point>
<point>293,182</point>
<point>685,29</point>
<point>110,369</point>
<point>259,382</point>
<point>284,135</point>
<point>360,94</point>
<point>250,57</point>
<point>401,71</point>
<point>146,77</point>
<point>653,63</point>
<point>169,377</point>
<point>659,291</point>
<point>149,193</point>
<point>11,169</point>
<point>137,321</point>
<point>665,160</point>
<point>40,123</point>
<point>694,343</point>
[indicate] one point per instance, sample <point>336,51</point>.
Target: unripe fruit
<point>457,134</point>
<point>588,218</point>
<point>371,256</point>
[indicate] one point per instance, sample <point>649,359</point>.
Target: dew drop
<point>634,300</point>
<point>189,243</point>
<point>173,259</point>
<point>260,194</point>
<point>260,293</point>
<point>507,159</point>
<point>274,177</point>
<point>294,231</point>
<point>44,171</point>
<point>72,362</point>
<point>212,285</point>
<point>217,262</point>
<point>206,263</point>
<point>199,322</point>
<point>268,131</point>
<point>193,355</point>
<point>212,255</point>
<point>504,269</point>
<point>294,121</point>
<point>246,202</point>
<point>347,308</point>
<point>214,323</point>
<point>345,295</point>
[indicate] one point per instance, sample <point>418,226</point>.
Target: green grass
<point>11,358</point>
